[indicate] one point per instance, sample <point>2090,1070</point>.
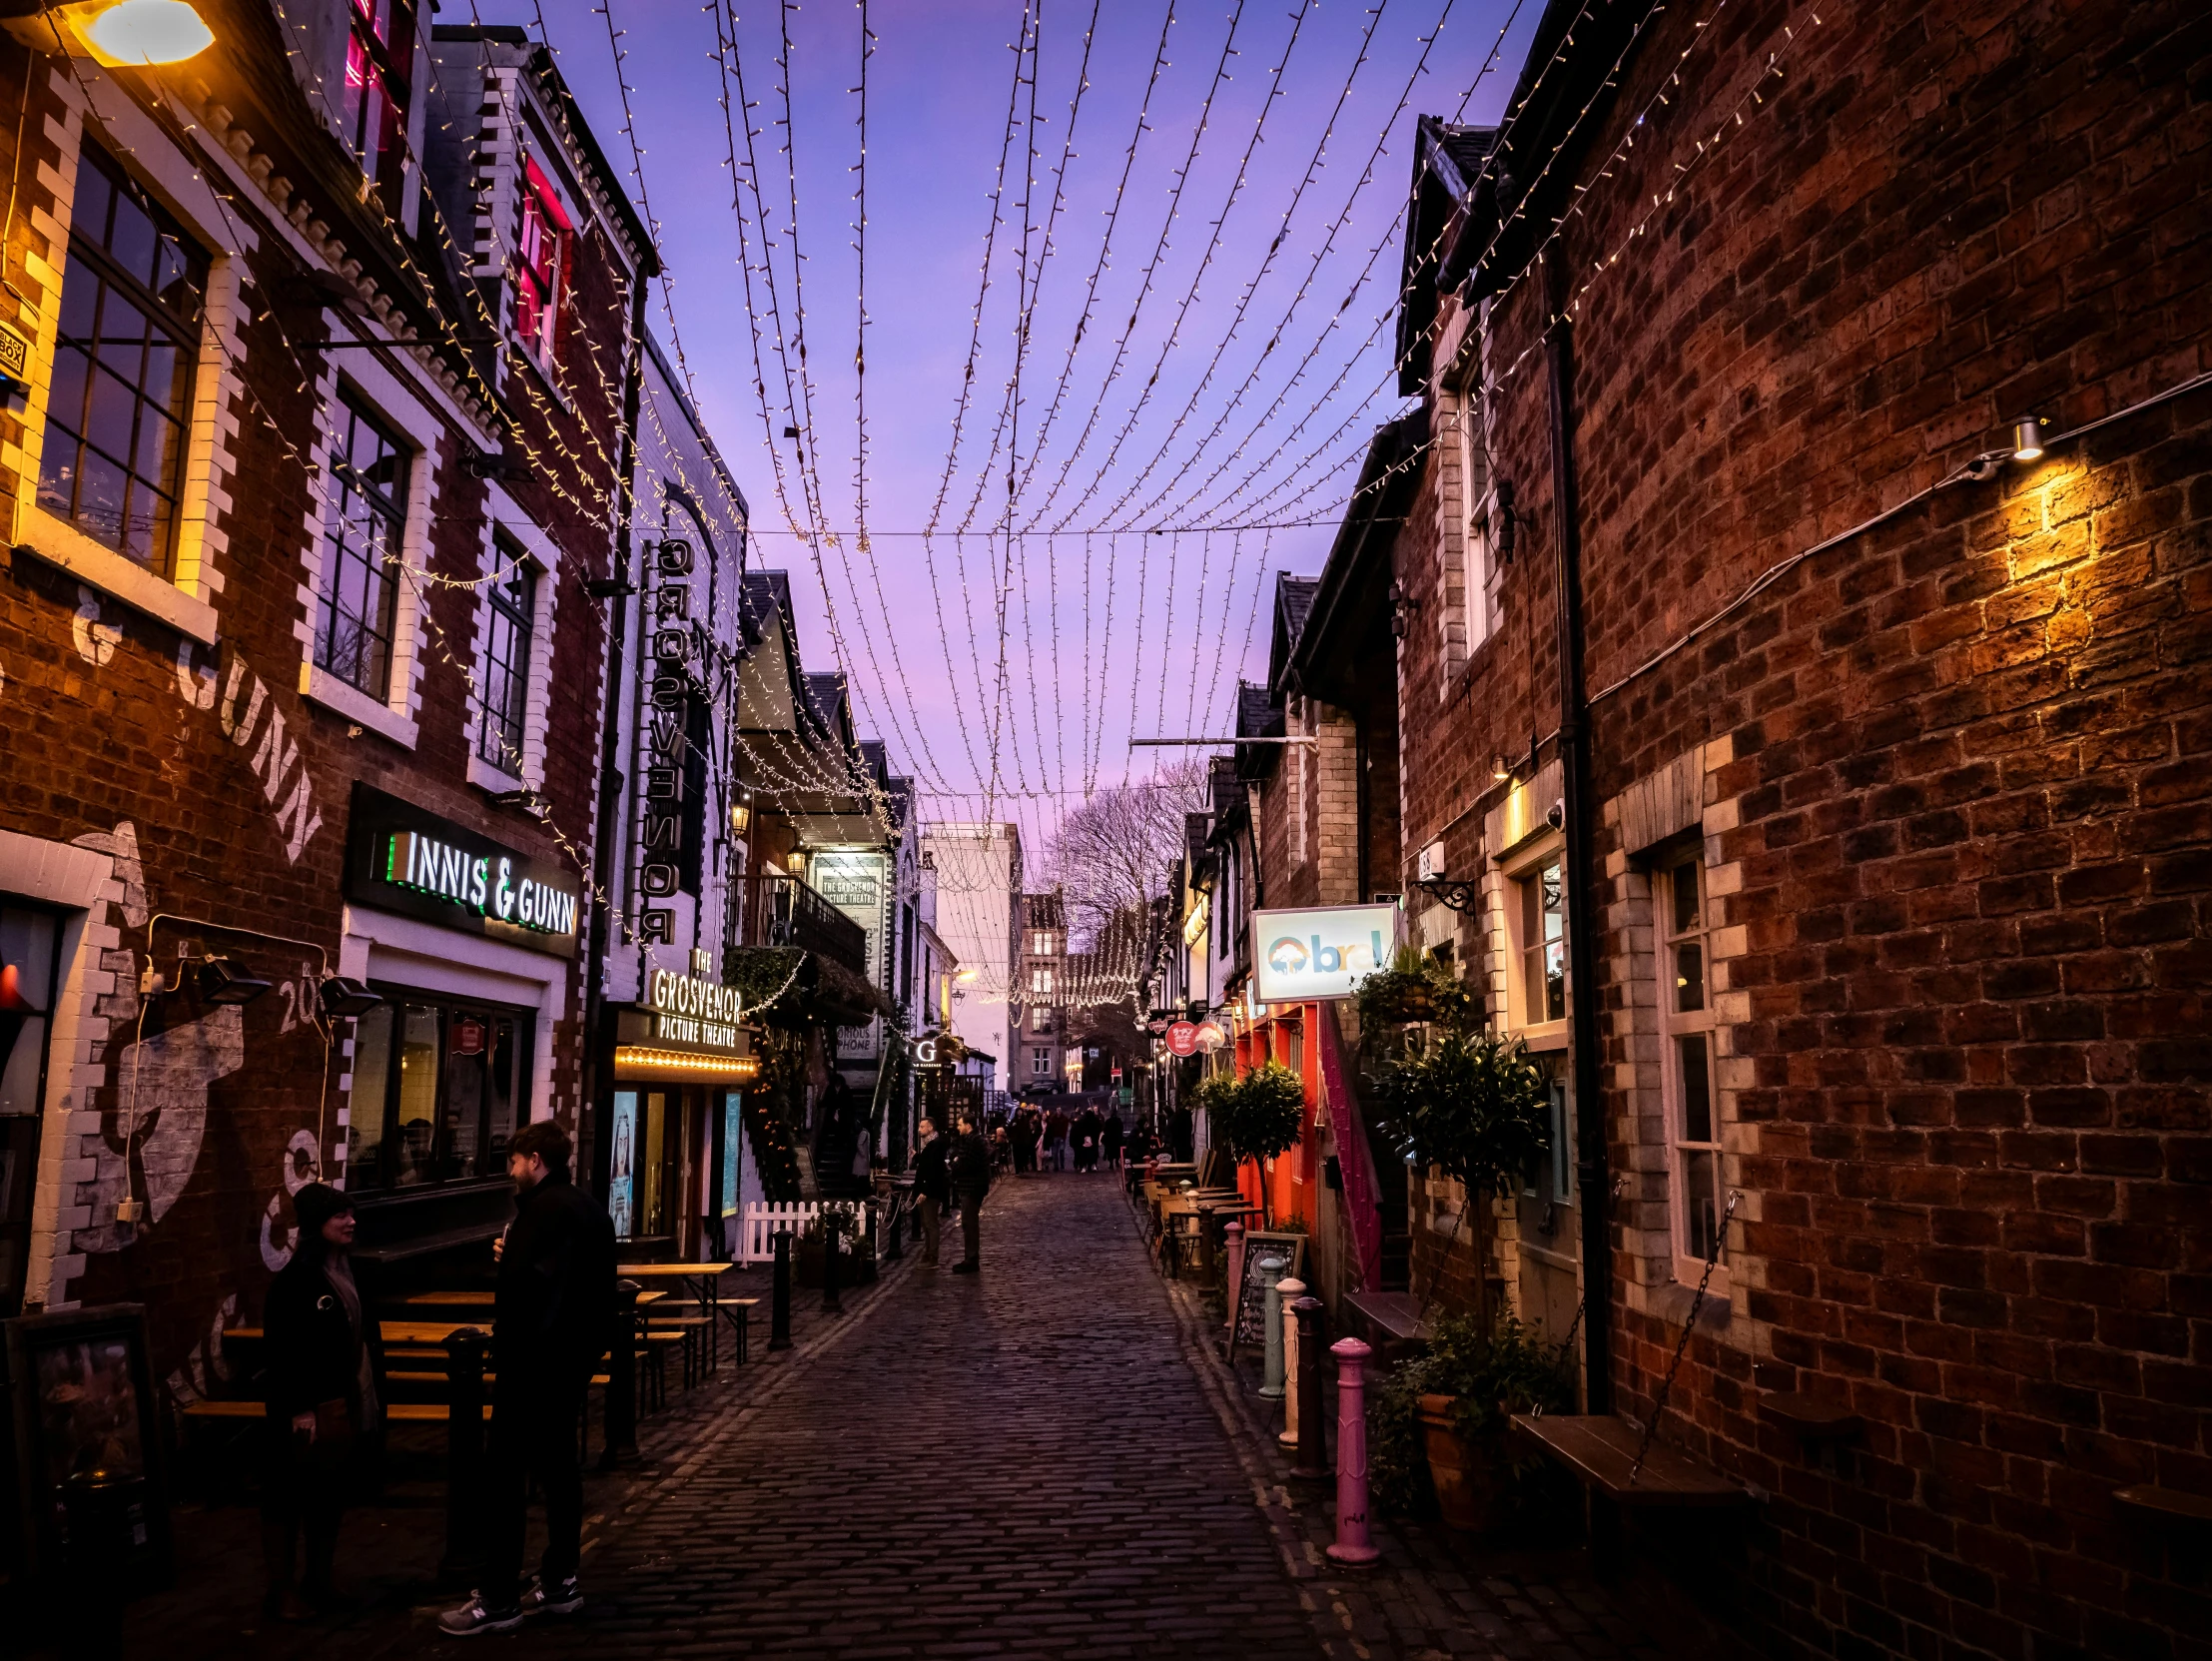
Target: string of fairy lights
<point>1193,481</point>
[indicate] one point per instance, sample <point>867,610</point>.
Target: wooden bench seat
<point>1600,1452</point>
<point>402,1412</point>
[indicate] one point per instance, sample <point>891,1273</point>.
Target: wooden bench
<point>1388,1323</point>
<point>1599,1451</point>
<point>399,1412</point>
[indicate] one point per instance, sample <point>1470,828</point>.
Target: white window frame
<point>1697,1025</point>
<point>396,715</point>
<point>186,598</point>
<point>1041,1062</point>
<point>503,515</point>
<point>1041,980</point>
<point>1524,868</point>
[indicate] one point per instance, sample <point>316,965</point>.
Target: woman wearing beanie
<point>321,1400</point>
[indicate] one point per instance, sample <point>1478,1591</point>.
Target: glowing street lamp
<point>150,32</point>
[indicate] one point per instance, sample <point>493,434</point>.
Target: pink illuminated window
<point>380,55</point>
<point>542,267</point>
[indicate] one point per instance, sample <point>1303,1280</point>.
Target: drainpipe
<point>1582,954</point>
<point>598,1050</point>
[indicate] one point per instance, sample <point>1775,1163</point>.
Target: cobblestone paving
<point>1048,1459</point>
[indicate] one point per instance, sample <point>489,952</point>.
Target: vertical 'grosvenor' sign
<point>669,824</point>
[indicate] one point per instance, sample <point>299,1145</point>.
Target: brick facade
<point>182,767</point>
<point>1940,779</point>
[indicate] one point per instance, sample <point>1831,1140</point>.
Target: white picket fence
<point>763,1221</point>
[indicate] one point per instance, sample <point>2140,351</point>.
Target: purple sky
<point>1229,434</point>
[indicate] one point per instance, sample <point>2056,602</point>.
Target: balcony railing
<point>784,911</point>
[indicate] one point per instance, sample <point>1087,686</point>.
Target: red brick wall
<point>1967,782</point>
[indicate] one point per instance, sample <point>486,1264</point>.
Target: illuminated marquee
<point>687,1010</point>
<point>486,883</point>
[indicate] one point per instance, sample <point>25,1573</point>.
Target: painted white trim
<point>341,697</point>
<point>120,577</point>
<point>83,881</point>
<point>501,515</point>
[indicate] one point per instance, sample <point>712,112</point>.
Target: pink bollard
<point>1233,1238</point>
<point>1352,1544</point>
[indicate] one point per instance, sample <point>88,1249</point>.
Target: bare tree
<point>1112,858</point>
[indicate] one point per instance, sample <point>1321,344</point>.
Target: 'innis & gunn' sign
<point>405,859</point>
<point>485,883</point>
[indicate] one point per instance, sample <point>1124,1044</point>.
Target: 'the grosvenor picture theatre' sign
<point>406,859</point>
<point>692,1013</point>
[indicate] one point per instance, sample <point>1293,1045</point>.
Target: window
<point>1040,981</point>
<point>352,639</point>
<point>1041,1062</point>
<point>373,114</point>
<point>1467,583</point>
<point>1543,945</point>
<point>129,338</point>
<point>1041,1019</point>
<point>1686,1021</point>
<point>1043,943</point>
<point>439,1089</point>
<point>542,267</point>
<point>507,679</point>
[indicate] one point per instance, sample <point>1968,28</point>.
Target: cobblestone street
<point>1046,1460</point>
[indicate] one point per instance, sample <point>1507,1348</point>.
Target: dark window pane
<point>80,300</point>
<point>371,1076</point>
<point>416,1117</point>
<point>89,213</point>
<point>101,485</point>
<point>468,1039</point>
<point>131,242</point>
<point>57,474</point>
<point>145,523</point>
<point>1700,1203</point>
<point>1696,1088</point>
<point>1684,886</point>
<point>1690,976</point>
<point>163,385</point>
<point>159,439</point>
<point>110,416</point>
<point>66,399</point>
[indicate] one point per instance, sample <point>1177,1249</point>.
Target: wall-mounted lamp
<point>1502,492</point>
<point>741,814</point>
<point>2027,439</point>
<point>965,975</point>
<point>1500,768</point>
<point>227,981</point>
<point>342,995</point>
<point>797,859</point>
<point>150,32</point>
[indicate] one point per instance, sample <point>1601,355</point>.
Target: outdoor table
<point>451,1300</point>
<point>704,1278</point>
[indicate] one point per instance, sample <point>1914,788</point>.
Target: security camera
<point>1555,816</point>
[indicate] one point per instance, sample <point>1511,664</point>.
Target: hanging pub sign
<point>1320,952</point>
<point>406,859</point>
<point>672,817</point>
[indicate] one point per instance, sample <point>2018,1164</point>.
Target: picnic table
<point>705,1281</point>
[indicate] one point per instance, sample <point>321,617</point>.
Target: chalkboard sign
<point>1251,1296</point>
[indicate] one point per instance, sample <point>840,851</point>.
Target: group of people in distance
<point>1051,1138</point>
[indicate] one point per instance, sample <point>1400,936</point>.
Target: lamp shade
<point>227,981</point>
<point>342,995</point>
<point>150,32</point>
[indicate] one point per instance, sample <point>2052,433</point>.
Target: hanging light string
<point>1150,271</point>
<point>1189,299</point>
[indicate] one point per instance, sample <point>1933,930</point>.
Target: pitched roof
<point>1293,599</point>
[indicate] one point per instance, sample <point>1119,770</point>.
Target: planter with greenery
<point>1260,1117</point>
<point>1440,1424</point>
<point>1416,989</point>
<point>856,1250</point>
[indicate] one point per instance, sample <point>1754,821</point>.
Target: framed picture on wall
<point>88,1444</point>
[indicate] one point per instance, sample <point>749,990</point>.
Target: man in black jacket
<point>932,1187</point>
<point>968,1163</point>
<point>551,1324</point>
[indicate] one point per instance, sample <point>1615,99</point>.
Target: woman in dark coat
<point>1109,1139</point>
<point>322,1398</point>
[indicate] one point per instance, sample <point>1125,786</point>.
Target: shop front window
<point>439,1089</point>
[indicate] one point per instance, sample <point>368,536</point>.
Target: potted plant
<point>1416,989</point>
<point>847,1225</point>
<point>1261,1116</point>
<point>1474,1106</point>
<point>1443,1417</point>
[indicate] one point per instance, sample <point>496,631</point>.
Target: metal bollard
<point>1271,1280</point>
<point>1289,1292</point>
<point>833,1248</point>
<point>619,1419</point>
<point>464,1448</point>
<point>1234,1236</point>
<point>1314,1431</point>
<point>1352,1544</point>
<point>779,1296</point>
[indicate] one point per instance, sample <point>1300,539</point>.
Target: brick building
<point>1855,873</point>
<point>303,673</point>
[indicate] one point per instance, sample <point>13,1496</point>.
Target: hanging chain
<point>1659,1402</point>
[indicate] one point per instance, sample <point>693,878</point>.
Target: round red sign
<point>1183,1039</point>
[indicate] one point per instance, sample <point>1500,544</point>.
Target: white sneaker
<point>476,1616</point>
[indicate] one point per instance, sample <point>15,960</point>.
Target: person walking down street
<point>967,1162</point>
<point>1085,1135</point>
<point>1109,1140</point>
<point>551,1318</point>
<point>933,1188</point>
<point>1056,1141</point>
<point>1029,1132</point>
<point>322,1400</point>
